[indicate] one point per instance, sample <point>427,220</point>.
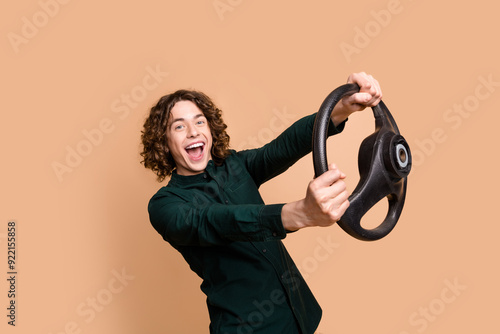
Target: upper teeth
<point>194,145</point>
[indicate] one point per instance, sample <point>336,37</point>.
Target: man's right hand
<point>325,202</point>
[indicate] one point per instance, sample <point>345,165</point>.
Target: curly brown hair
<point>155,152</point>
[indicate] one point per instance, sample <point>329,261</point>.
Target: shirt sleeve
<point>277,156</point>
<point>187,224</point>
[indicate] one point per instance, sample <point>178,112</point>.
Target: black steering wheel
<point>384,162</point>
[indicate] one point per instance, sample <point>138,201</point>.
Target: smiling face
<point>189,138</point>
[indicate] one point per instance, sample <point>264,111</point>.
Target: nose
<point>192,131</point>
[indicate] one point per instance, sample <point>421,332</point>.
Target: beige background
<point>69,67</point>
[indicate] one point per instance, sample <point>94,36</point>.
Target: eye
<point>200,122</point>
<point>178,126</point>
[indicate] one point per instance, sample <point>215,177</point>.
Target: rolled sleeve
<point>334,130</point>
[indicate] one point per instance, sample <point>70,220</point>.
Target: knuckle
<point>334,215</point>
<point>335,174</point>
<point>312,186</point>
<point>319,199</point>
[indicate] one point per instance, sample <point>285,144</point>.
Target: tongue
<point>195,152</point>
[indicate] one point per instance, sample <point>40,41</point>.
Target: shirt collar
<point>186,180</point>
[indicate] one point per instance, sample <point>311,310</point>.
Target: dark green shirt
<point>219,223</point>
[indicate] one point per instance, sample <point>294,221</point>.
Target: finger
<point>332,196</point>
<point>363,80</point>
<point>332,166</point>
<point>341,209</point>
<point>369,86</point>
<point>356,102</point>
<point>360,99</point>
<point>327,178</point>
<point>337,191</point>
<point>375,91</point>
<point>341,201</point>
<point>337,207</point>
<point>356,78</point>
<point>341,173</point>
<point>378,88</point>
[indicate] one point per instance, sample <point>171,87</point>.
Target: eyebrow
<point>181,119</point>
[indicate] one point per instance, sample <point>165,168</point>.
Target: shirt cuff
<point>270,219</point>
<point>333,130</point>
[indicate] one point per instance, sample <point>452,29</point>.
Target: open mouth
<point>195,151</point>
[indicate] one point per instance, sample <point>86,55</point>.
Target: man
<point>212,213</point>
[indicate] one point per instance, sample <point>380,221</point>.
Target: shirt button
<point>205,176</point>
<point>264,250</point>
<point>226,201</point>
<point>275,234</point>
